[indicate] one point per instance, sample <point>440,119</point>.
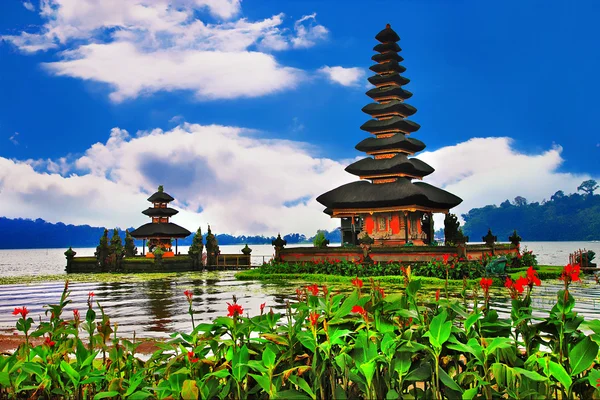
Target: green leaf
<point>582,355</point>
<point>346,306</point>
<point>277,339</point>
<point>74,375</point>
<point>4,379</point>
<point>534,376</point>
<point>264,382</point>
<point>402,363</point>
<point>189,390</point>
<point>239,363</point>
<point>302,384</point>
<point>593,325</point>
<point>104,395</point>
<point>471,319</point>
<point>224,321</point>
<point>594,378</point>
<point>439,330</point>
<point>470,394</point>
<point>449,382</point>
<point>307,339</point>
<point>421,373</point>
<point>268,357</point>
<point>368,370</point>
<point>559,373</point>
<point>498,343</point>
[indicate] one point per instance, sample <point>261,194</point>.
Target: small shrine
<point>160,232</point>
<point>386,205</point>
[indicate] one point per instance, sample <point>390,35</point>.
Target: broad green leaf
<point>439,330</point>
<point>307,339</point>
<point>268,357</point>
<point>277,339</point>
<point>105,395</point>
<point>4,379</point>
<point>558,372</point>
<point>302,384</point>
<point>73,375</point>
<point>582,355</point>
<point>471,319</point>
<point>290,394</point>
<point>498,343</point>
<point>534,376</point>
<point>593,325</point>
<point>239,363</point>
<point>263,381</point>
<point>224,321</point>
<point>470,394</point>
<point>449,382</point>
<point>368,370</point>
<point>402,363</point>
<point>594,379</point>
<point>421,373</point>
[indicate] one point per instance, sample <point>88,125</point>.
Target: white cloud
<point>224,171</point>
<point>209,74</point>
<point>343,76</point>
<point>28,5</point>
<point>308,32</point>
<point>486,171</point>
<point>13,138</point>
<point>144,46</point>
<point>247,185</point>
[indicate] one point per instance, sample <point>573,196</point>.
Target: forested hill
<point>38,234</point>
<point>563,217</point>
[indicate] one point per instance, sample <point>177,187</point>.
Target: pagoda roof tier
<point>160,197</point>
<point>387,56</point>
<point>388,79</point>
<point>389,91</point>
<point>392,124</point>
<point>364,196</point>
<point>383,47</point>
<point>160,230</point>
<point>388,66</point>
<point>160,212</point>
<point>392,107</point>
<point>396,142</point>
<point>387,35</point>
<point>399,164</point>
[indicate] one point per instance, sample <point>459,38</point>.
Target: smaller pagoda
<point>160,232</point>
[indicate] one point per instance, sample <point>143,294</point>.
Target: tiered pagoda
<point>386,204</point>
<point>160,231</point>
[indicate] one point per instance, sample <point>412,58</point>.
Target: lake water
<point>157,307</point>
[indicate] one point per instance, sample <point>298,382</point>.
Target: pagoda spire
<point>386,192</point>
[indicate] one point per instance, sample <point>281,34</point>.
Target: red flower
<point>91,294</point>
<point>314,318</point>
<point>532,277</point>
<point>446,257</point>
<point>262,307</point>
<point>598,382</point>
<point>314,289</point>
<point>520,283</point>
<point>509,283</point>
<point>234,310</point>
<point>437,295</point>
<point>192,358</point>
<point>381,292</point>
<point>357,282</point>
<point>189,295</point>
<point>21,310</point>
<point>76,314</point>
<point>486,283</point>
<point>325,291</point>
<point>48,341</point>
<point>359,310</point>
<point>570,273</point>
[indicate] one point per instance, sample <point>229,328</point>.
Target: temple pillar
<point>431,229</point>
<point>143,247</point>
<point>175,246</point>
<point>406,227</point>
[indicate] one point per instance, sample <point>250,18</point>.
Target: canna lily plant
<point>367,344</point>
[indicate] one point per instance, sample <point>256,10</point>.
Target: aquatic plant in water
<point>367,344</point>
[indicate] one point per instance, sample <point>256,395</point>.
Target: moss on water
<point>106,277</point>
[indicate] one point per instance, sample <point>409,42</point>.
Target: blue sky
<point>289,76</point>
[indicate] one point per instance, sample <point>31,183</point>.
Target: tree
<point>588,187</point>
<point>102,250</point>
<point>320,240</point>
<point>451,225</point>
<point>196,249</point>
<point>130,249</point>
<point>116,250</point>
<point>505,204</point>
<point>520,201</point>
<point>558,195</point>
